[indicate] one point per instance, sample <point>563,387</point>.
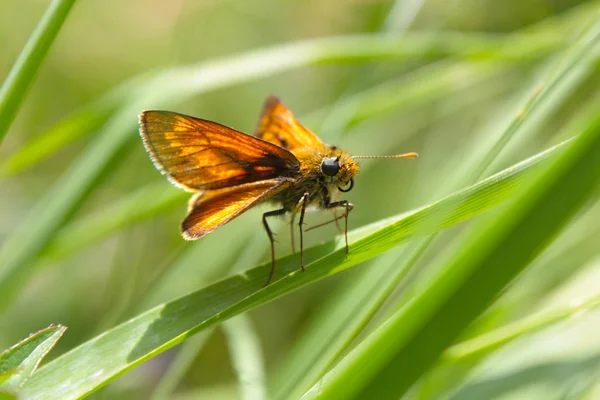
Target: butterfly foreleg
<point>348,207</point>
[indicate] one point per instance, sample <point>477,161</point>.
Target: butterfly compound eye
<point>330,166</point>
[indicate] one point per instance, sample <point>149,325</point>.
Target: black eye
<point>330,166</point>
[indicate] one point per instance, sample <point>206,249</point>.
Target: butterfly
<point>230,172</point>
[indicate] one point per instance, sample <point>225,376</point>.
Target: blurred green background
<point>468,67</point>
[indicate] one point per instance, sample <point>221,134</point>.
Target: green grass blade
<point>394,357</point>
<point>490,341</point>
<point>180,365</point>
<point>15,87</point>
<point>581,54</point>
<point>95,363</point>
<point>190,349</point>
<point>246,356</point>
<point>18,363</point>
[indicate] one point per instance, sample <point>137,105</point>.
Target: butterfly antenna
<point>405,155</point>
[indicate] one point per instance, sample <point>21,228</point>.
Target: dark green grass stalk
<point>17,84</point>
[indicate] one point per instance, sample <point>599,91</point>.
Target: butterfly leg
<point>293,219</point>
<point>271,239</point>
<point>302,203</point>
<point>348,206</point>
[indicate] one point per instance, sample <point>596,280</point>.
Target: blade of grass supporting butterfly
<point>100,360</point>
<point>337,324</point>
<point>387,363</point>
<point>51,212</point>
<point>319,348</point>
<point>15,87</point>
<point>190,349</point>
<point>19,362</point>
<point>167,284</point>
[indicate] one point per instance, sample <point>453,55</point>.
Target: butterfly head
<point>339,169</point>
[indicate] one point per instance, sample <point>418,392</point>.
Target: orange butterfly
<point>231,171</point>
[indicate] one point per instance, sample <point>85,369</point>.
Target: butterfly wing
<point>278,126</point>
<point>197,154</point>
<point>209,210</point>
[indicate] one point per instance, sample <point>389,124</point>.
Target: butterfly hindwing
<point>209,210</point>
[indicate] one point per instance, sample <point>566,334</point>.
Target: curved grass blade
<point>19,362</point>
<point>248,255</point>
<point>97,362</point>
<point>387,363</point>
<point>15,87</point>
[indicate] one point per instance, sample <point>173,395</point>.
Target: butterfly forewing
<point>197,154</point>
<point>278,126</point>
<point>209,210</point>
